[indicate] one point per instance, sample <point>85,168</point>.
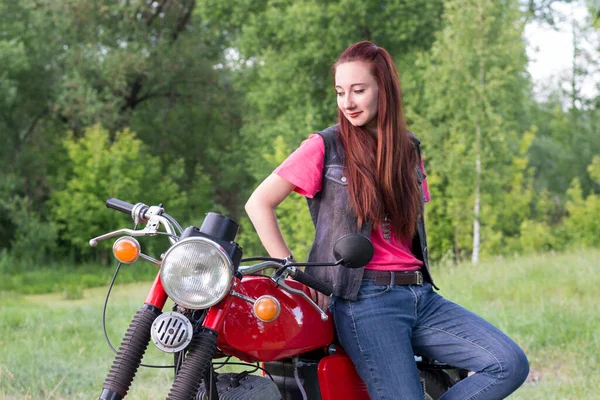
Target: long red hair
<point>381,170</point>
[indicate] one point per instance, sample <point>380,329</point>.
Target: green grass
<point>53,346</point>
<point>68,279</point>
<point>549,305</point>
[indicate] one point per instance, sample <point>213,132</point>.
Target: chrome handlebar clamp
<point>138,214</point>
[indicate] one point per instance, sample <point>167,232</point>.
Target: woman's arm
<point>260,207</point>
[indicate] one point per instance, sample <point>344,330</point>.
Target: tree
<point>583,220</point>
<point>138,64</point>
<point>475,91</point>
<point>282,52</point>
<point>98,168</point>
<point>569,121</point>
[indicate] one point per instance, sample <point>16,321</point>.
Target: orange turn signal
<point>267,308</point>
<point>126,249</point>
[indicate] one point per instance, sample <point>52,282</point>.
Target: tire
<point>435,385</point>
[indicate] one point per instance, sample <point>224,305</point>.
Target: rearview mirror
<point>355,250</point>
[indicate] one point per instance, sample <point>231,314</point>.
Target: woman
<point>365,175</point>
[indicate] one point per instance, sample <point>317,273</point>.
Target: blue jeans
<point>383,328</point>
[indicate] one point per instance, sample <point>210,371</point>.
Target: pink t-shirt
<point>304,169</point>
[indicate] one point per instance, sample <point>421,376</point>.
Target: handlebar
<point>294,272</point>
<point>297,274</point>
<point>140,212</point>
<point>119,205</point>
<point>312,282</point>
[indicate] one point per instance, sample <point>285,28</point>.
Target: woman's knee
<point>517,366</point>
<point>510,366</point>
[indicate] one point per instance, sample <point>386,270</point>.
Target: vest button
<point>343,179</point>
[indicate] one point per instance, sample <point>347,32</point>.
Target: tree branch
<point>156,12</point>
<point>162,94</point>
<point>184,20</point>
<point>131,99</point>
<point>32,126</point>
<point>133,103</point>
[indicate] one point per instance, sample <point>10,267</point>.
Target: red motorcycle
<point>260,313</point>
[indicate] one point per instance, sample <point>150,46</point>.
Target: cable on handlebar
<point>112,282</point>
<point>281,260</point>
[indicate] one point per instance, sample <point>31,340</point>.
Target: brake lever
<point>280,281</point>
<point>143,232</point>
<point>150,229</point>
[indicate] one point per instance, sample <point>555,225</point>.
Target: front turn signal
<point>126,249</point>
<point>267,308</point>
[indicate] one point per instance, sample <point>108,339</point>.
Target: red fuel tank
<point>298,328</point>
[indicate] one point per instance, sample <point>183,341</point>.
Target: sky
<point>550,50</point>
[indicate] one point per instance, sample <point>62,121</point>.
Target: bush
<point>583,220</point>
<point>537,237</point>
<point>34,240</point>
<point>100,168</point>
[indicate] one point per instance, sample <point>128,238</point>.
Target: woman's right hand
<point>321,299</point>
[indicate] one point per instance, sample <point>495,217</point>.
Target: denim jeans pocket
<point>369,289</point>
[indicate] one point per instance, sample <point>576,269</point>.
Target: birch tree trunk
<point>477,205</point>
<point>481,91</point>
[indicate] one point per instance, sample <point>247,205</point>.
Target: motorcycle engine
<point>249,387</point>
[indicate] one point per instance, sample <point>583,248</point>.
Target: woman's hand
<point>321,299</point>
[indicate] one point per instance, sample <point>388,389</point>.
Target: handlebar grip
<point>119,205</point>
<point>313,282</point>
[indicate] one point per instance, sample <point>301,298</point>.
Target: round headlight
<point>196,273</point>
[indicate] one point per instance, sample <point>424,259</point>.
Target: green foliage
<point>282,52</point>
<point>583,220</point>
<point>293,216</point>
<point>73,292</point>
<point>34,241</point>
<point>544,229</point>
<point>100,169</point>
<point>594,169</point>
<point>565,145</point>
<point>537,237</point>
<point>473,109</point>
<point>209,86</point>
<point>502,230</point>
<point>66,278</point>
<point>138,65</point>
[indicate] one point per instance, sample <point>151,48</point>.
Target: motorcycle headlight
<point>196,273</point>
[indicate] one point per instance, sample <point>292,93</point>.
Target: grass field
<point>53,346</point>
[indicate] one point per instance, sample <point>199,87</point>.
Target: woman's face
<point>357,94</point>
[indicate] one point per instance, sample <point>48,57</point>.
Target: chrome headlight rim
<point>229,272</point>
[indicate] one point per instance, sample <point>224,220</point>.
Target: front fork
<point>203,346</point>
<point>134,345</point>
